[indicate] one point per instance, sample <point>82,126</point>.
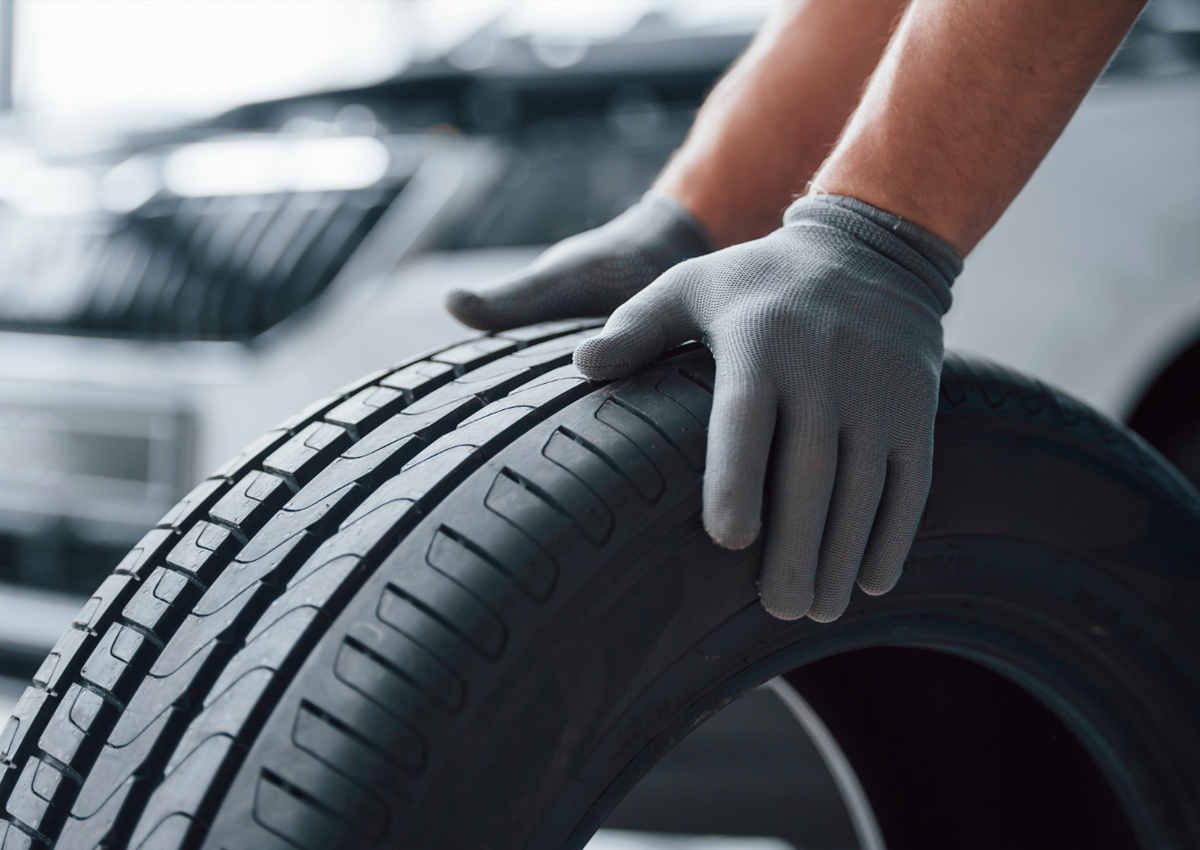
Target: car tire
<point>468,601</point>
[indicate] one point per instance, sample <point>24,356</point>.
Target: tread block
<point>169,834</point>
<point>198,631</point>
<point>161,603</point>
<point>424,425</point>
<point>155,698</point>
<point>462,562</point>
<point>63,660</point>
<point>378,528</point>
<point>203,551</point>
<point>423,478</point>
<point>21,723</point>
<point>402,656</point>
<point>375,678</point>
<point>144,556</point>
<point>498,378</point>
<point>531,334</point>
<point>12,838</point>
<point>687,392</point>
<point>40,798</point>
<point>194,504</point>
<point>565,492</point>
<point>633,426</point>
<point>473,354</point>
<point>115,663</point>
<point>549,385</point>
<point>542,396</point>
<point>581,460</point>
<point>224,716</point>
<point>517,368</point>
<point>498,423</point>
<point>76,732</point>
<point>183,790</point>
<point>452,403</point>
<point>102,605</point>
<point>300,819</point>
<point>268,651</point>
<point>675,424</point>
<point>495,380</point>
<point>419,379</point>
<point>251,502</point>
<point>453,615</point>
<point>618,452</point>
<point>353,752</point>
<point>253,454</point>
<point>531,509</point>
<point>363,468</point>
<point>366,409</point>
<point>313,587</point>
<point>496,372</point>
<point>362,814</point>
<point>556,351</point>
<point>87,832</point>
<point>301,457</point>
<point>509,553</point>
<point>272,568</point>
<point>400,436</point>
<point>275,553</point>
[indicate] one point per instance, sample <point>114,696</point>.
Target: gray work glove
<point>827,334</point>
<point>590,274</point>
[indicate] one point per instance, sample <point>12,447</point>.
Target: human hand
<point>590,274</point>
<point>827,335</point>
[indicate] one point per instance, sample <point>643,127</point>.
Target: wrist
<point>730,211</point>
<point>890,195</point>
<point>913,249</point>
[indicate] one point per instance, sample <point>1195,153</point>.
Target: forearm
<point>774,117</point>
<point>967,101</point>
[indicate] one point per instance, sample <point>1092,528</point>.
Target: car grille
<point>219,268</point>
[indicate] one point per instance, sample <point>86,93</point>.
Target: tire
<point>467,602</point>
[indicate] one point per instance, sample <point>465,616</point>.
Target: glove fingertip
<point>728,533</point>
<point>782,607</point>
<point>606,356</point>
<point>821,614</point>
<point>876,582</point>
<point>469,308</point>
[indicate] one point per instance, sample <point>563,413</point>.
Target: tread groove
<point>528,486</point>
<point>604,457</point>
<point>662,432</point>
<point>483,555</point>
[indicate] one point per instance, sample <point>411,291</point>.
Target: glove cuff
<point>936,262</point>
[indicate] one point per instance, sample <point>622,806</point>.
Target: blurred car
<point>165,301</point>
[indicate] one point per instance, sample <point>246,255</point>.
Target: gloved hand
<point>827,334</point>
<point>590,274</point>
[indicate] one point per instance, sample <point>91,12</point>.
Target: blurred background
<point>213,213</point>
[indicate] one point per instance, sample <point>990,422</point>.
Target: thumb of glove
<point>639,331</point>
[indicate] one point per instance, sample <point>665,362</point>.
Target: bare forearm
<point>773,119</point>
<point>967,101</point>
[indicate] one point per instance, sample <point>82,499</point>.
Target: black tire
<point>467,602</point>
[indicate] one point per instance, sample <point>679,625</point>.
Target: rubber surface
<point>467,601</point>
